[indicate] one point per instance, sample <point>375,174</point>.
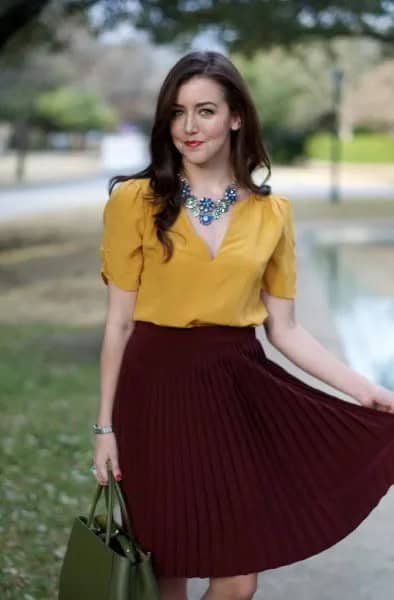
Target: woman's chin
<point>197,160</point>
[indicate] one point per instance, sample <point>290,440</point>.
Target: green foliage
<point>68,108</point>
<point>20,86</point>
<point>285,145</point>
<point>249,26</point>
<point>239,25</point>
<point>362,147</point>
<point>276,86</point>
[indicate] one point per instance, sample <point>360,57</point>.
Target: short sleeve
<point>280,274</point>
<point>122,235</point>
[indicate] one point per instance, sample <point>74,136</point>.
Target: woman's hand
<point>106,451</point>
<point>378,397</point>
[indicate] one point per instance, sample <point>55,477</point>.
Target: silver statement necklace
<point>206,209</point>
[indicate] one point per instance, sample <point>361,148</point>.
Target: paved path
<point>18,202</point>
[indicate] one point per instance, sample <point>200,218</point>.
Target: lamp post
<point>336,144</point>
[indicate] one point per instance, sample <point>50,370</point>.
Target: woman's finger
<point>116,468</point>
<point>102,473</point>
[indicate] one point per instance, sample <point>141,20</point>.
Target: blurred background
<point>78,86</point>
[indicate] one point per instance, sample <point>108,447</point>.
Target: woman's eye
<point>204,110</point>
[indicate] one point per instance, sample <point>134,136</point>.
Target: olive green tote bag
<point>103,561</point>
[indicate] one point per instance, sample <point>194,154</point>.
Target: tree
<point>249,26</point>
<point>74,89</point>
<point>370,100</point>
<point>293,90</point>
<point>20,85</point>
<point>240,26</point>
<point>72,109</point>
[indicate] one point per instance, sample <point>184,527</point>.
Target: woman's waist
<point>162,344</point>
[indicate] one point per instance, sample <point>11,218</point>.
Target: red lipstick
<point>193,144</point>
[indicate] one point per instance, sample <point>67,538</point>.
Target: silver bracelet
<point>102,429</point>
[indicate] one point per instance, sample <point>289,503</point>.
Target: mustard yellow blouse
<point>193,289</point>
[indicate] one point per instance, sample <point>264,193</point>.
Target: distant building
<point>126,151</point>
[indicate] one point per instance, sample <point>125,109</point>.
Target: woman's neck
<point>205,181</point>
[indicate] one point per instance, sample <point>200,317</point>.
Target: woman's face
<point>202,114</point>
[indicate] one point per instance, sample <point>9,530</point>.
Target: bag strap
<point>110,490</point>
<point>99,489</point>
<point>110,509</point>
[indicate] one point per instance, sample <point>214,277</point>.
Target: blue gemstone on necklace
<point>206,218</point>
<point>206,203</point>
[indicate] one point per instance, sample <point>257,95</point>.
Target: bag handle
<point>110,490</point>
<point>114,488</point>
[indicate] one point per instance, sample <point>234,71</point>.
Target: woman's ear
<point>235,123</point>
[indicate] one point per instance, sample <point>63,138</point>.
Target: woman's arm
<point>118,328</point>
<point>299,346</point>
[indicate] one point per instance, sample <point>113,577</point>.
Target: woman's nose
<point>190,125</point>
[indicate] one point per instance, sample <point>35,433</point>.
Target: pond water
<point>357,268</point>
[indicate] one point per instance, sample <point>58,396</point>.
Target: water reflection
<point>357,268</point>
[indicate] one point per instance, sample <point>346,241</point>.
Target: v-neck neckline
<point>227,233</point>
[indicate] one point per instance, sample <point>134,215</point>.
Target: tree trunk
<point>22,127</point>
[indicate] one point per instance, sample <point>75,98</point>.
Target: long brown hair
<point>247,147</point>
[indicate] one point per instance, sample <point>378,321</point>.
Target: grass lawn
<point>363,147</point>
<point>47,403</point>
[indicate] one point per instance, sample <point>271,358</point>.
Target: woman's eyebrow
<point>198,103</point>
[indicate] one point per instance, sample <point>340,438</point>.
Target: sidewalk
<point>47,167</point>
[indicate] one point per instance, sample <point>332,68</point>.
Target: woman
<point>229,464</point>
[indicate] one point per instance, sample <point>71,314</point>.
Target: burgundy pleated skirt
<point>232,465</point>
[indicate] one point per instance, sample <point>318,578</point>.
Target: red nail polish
<point>118,477</point>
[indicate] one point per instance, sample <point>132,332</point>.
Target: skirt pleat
<point>231,464</point>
